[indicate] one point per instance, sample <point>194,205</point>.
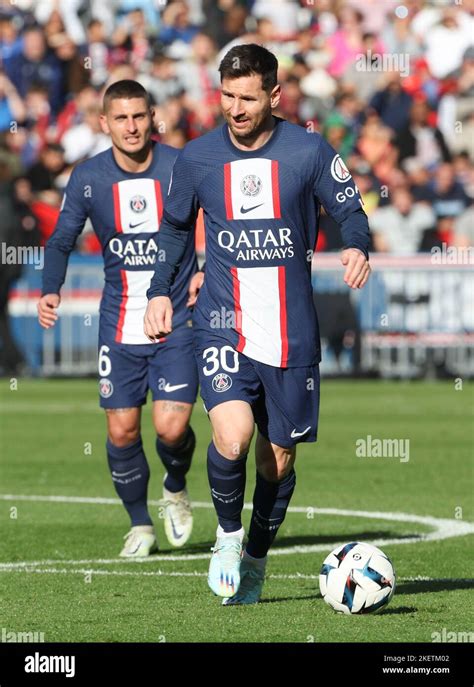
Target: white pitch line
<point>196,573</point>
<point>442,529</point>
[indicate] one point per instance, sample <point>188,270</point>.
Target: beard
<point>253,127</point>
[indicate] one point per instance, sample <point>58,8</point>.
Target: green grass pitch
<point>71,586</point>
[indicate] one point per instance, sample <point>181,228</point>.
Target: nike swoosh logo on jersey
<point>169,388</point>
<point>124,474</point>
<point>296,434</point>
<point>245,210</point>
<point>133,226</point>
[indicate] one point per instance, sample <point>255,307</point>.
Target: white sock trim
<point>238,533</point>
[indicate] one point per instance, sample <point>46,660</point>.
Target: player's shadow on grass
<point>281,599</point>
<point>398,611</point>
<point>439,585</point>
<point>311,540</point>
<point>304,540</point>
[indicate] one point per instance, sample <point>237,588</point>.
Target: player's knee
<point>171,433</point>
<point>123,436</point>
<point>232,444</point>
<point>276,470</point>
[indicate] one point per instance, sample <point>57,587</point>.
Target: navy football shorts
<point>285,401</point>
<point>167,369</point>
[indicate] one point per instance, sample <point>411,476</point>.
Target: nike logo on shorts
<point>294,434</point>
<point>168,388</point>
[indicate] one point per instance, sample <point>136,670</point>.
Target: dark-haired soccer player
<point>260,181</point>
<point>122,191</point>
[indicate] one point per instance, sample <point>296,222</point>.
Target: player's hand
<point>357,267</point>
<point>194,285</point>
<point>47,305</point>
<point>158,318</point>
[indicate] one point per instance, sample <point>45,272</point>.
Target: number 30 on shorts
<point>220,358</point>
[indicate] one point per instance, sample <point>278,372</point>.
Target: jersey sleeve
<point>179,216</point>
<point>181,206</point>
<point>72,217</point>
<point>336,191</point>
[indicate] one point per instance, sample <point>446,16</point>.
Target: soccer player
<point>260,181</point>
<point>121,190</point>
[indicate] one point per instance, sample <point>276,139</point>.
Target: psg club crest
<point>106,388</point>
<point>221,382</point>
<point>339,170</point>
<point>251,185</point>
<point>138,204</point>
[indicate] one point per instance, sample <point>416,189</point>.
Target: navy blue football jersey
<point>261,211</point>
<point>125,210</point>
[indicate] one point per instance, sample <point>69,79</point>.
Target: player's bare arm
<point>357,268</point>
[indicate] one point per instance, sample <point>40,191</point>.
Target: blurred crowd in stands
<point>390,84</point>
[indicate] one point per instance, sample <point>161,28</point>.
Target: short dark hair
<point>126,88</point>
<point>248,59</point>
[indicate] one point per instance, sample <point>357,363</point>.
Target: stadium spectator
<point>176,26</point>
<point>11,41</point>
<point>225,19</point>
<point>199,77</point>
<point>346,43</point>
<point>162,81</point>
<point>399,228</point>
<point>464,229</point>
<point>374,13</point>
<point>444,194</point>
<point>393,103</point>
<point>98,52</point>
<point>42,175</point>
<point>365,81</point>
<point>64,11</point>
<point>132,38</point>
<point>447,41</point>
<point>13,232</point>
<point>36,64</point>
<point>398,37</point>
<point>12,108</point>
<point>86,139</point>
<point>421,139</point>
<point>282,13</point>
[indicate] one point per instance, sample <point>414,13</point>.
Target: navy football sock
<point>130,475</point>
<point>177,460</point>
<point>270,503</point>
<point>227,482</point>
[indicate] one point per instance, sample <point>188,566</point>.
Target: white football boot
<point>252,577</point>
<point>178,517</point>
<point>224,568</point>
<point>140,541</point>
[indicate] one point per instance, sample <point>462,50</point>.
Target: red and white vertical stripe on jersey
<point>138,209</point>
<point>252,189</point>
<point>138,206</point>
<point>132,307</point>
<point>261,313</point>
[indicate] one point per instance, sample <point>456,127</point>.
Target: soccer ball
<point>357,578</point>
